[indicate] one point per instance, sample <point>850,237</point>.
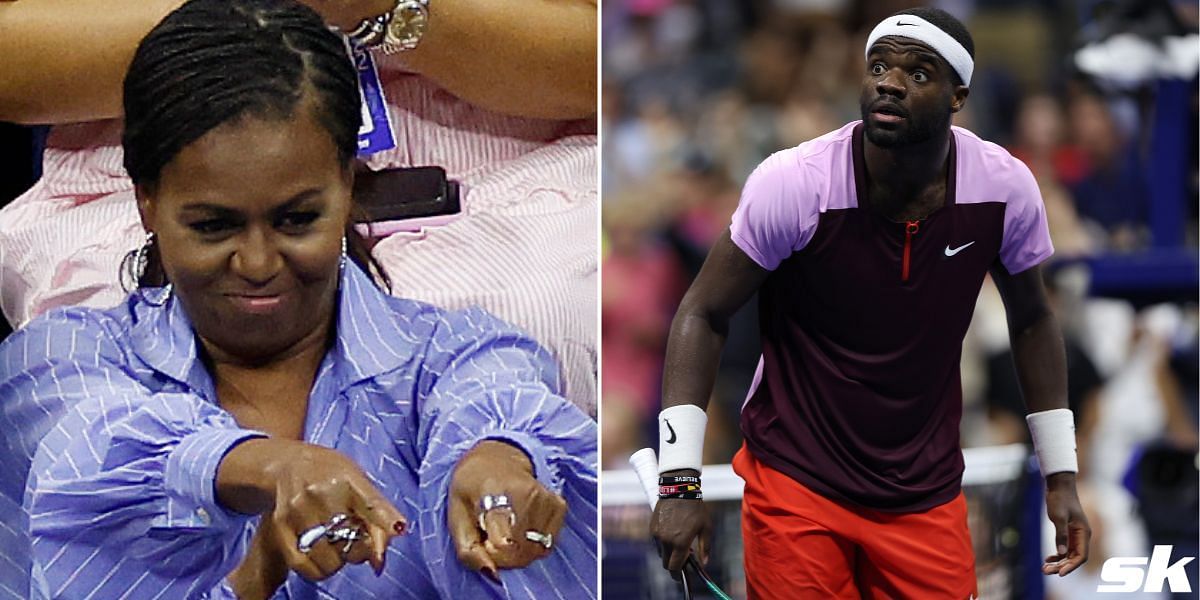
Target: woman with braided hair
<point>259,417</point>
<point>502,95</point>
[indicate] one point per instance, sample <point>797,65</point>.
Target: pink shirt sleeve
<point>1026,240</point>
<point>771,221</point>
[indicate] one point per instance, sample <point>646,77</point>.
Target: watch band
<point>395,31</point>
<point>370,33</point>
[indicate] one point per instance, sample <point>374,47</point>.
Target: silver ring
<point>348,534</point>
<point>490,502</point>
<point>537,537</point>
<point>312,535</point>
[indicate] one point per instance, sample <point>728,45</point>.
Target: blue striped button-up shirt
<point>120,497</point>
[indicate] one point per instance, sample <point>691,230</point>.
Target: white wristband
<point>1053,433</point>
<point>681,437</point>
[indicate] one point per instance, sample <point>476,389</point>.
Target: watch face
<point>408,25</point>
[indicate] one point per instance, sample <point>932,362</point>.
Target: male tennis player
<point>867,247</point>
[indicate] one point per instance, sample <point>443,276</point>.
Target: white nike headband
<point>919,29</point>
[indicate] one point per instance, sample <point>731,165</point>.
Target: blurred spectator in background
<point>1111,193</point>
<point>1040,140</point>
<point>643,282</point>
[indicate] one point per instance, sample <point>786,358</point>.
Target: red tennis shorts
<point>799,544</point>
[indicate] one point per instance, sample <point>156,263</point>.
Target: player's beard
<point>915,128</point>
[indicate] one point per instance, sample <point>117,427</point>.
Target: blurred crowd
<point>698,92</point>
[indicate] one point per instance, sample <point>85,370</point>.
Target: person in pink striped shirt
<point>521,141</point>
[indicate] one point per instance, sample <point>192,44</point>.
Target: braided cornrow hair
<point>211,62</point>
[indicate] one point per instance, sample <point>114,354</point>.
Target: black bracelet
<point>677,479</point>
<point>697,495</point>
<point>676,489</point>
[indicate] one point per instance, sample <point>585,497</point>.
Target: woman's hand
<point>496,468</point>
<point>298,486</point>
<point>264,568</point>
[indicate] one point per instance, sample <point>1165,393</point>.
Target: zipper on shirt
<point>910,229</point>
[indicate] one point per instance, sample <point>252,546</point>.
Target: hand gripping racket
<point>645,465</point>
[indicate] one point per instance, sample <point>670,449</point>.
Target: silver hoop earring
<point>143,255</point>
<point>141,263</point>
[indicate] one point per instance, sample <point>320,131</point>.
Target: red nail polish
<point>399,527</point>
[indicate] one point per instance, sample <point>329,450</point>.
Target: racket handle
<point>645,465</point>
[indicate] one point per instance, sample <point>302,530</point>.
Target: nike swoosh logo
<point>670,440</point>
<point>952,252</point>
<point>902,24</point>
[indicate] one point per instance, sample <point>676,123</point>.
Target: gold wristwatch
<point>395,31</point>
<point>406,27</point>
